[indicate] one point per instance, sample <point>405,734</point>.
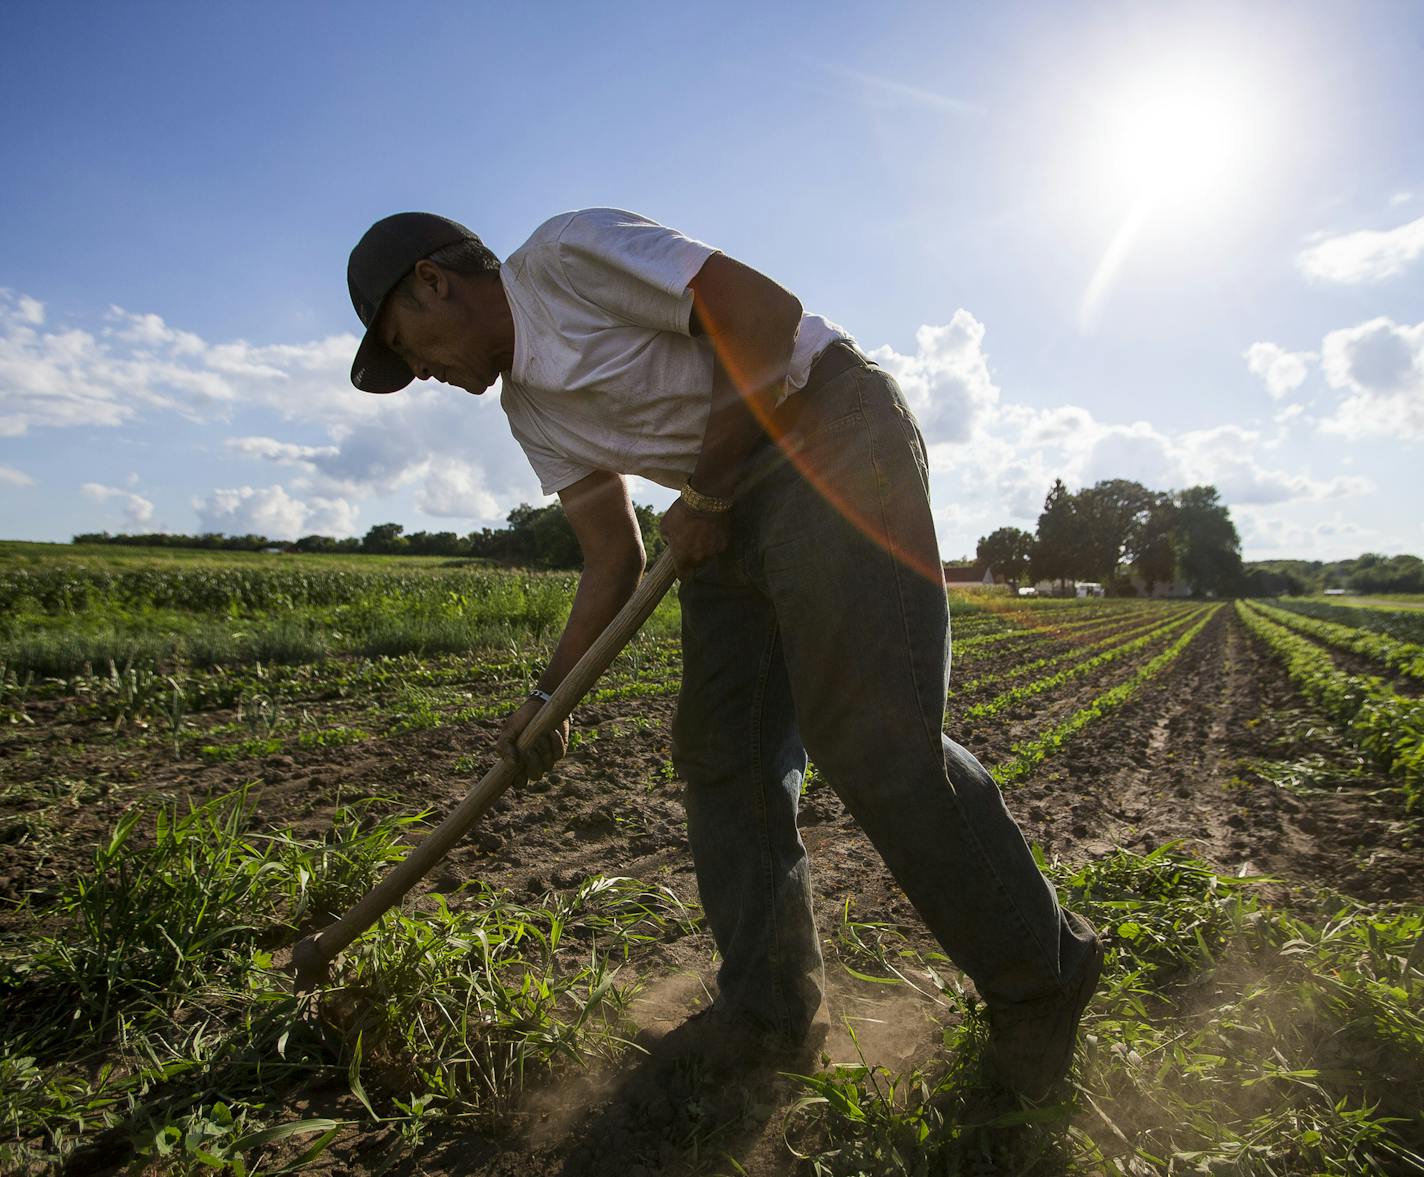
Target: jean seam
<point>774,953</point>
<point>898,572</point>
<point>886,531</point>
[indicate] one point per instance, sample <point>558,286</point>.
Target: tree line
<point>1116,533</point>
<point>537,537</point>
<point>1370,573</point>
<point>1127,538</point>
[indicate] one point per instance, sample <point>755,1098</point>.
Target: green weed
<point>1227,1037</point>
<point>150,1024</point>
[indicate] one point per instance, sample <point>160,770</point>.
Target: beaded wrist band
<point>704,503</point>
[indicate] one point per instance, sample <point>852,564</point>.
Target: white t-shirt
<point>605,373</point>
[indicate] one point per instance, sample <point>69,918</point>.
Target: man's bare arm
<point>601,515</point>
<point>751,323</point>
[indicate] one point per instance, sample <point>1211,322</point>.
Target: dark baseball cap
<point>385,254</point>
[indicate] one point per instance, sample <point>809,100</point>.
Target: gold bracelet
<point>704,503</point>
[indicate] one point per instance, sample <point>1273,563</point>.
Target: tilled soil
<point>1180,763</point>
<point>1189,760</point>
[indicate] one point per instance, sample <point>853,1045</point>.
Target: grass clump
<point>469,1001</point>
<point>162,908</point>
<point>147,1026</point>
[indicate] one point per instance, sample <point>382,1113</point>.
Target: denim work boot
<point>1031,1046</point>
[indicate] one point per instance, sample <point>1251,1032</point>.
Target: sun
<point>1175,138</point>
<point>1174,147</point>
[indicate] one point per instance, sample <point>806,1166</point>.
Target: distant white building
<point>1091,588</point>
<point>968,576</point>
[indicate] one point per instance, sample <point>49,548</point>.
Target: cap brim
<point>377,368</point>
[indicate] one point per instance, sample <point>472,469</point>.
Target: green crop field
<point>205,756</point>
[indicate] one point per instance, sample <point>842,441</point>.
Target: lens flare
<point>759,398</point>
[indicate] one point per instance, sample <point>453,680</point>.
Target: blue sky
<point>1177,243</point>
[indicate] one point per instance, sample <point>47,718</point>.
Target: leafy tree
<point>384,539</point>
<point>1053,549</point>
<point>1155,555</point>
<point>1208,546</point>
<point>648,520</point>
<point>1111,521</point>
<point>1374,573</point>
<point>1268,582</point>
<point>435,543</point>
<point>538,536</point>
<point>1007,553</point>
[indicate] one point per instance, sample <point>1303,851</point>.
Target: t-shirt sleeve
<point>633,268</point>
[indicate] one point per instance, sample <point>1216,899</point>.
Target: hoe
<point>312,957</point>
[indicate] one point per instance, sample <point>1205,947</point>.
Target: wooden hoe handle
<point>312,955</point>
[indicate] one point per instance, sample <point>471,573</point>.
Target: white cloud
<point>1283,371</point>
<point>1379,366</point>
<point>1275,532</point>
<point>272,512</point>
<point>1367,255</point>
<point>1138,452</point>
<point>136,363</point>
<point>455,451</point>
<point>447,444</point>
<point>1003,474</point>
<point>453,457</point>
<point>456,490</point>
<point>1062,425</point>
<point>946,381</point>
<point>29,310</point>
<point>9,476</point>
<point>45,377</point>
<point>151,331</point>
<point>891,92</point>
<point>272,450</point>
<point>1225,457</point>
<point>137,509</point>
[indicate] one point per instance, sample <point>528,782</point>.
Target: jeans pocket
<point>831,409</point>
<point>823,432</point>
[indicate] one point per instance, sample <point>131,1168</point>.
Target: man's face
<point>441,335</point>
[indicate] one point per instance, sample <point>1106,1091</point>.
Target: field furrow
<point>1404,658</point>
<point>1383,724</point>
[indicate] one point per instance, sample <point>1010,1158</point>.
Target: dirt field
<point>1202,756</point>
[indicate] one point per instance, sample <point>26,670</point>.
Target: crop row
<point>1136,625</point>
<point>1039,686</point>
<point>72,590</point>
<point>431,614</point>
<point>1405,625</point>
<point>1028,755</point>
<point>1405,657</point>
<point>1387,726</point>
<point>1028,626</point>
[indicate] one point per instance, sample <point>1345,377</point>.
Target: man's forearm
<point>745,387</point>
<point>603,589</point>
<point>732,430</point>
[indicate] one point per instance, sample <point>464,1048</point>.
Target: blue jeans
<point>824,627</point>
